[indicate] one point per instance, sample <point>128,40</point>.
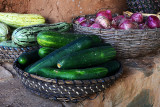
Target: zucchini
<point>27,36</point>
<point>27,58</point>
<point>5,32</point>
<point>44,51</point>
<point>58,39</point>
<point>19,20</point>
<point>73,74</point>
<point>53,57</point>
<point>87,57</point>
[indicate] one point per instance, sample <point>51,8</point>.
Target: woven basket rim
<point>69,82</point>
<point>10,54</point>
<point>116,30</point>
<point>23,48</point>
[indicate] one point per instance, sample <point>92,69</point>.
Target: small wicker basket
<point>10,54</point>
<point>128,43</point>
<point>145,6</point>
<point>64,90</point>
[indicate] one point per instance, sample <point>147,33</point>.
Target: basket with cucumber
<point>18,33</point>
<point>68,67</point>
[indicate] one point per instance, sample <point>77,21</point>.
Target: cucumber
<point>112,66</point>
<point>44,51</point>
<point>101,44</point>
<point>27,58</point>
<point>87,57</point>
<point>53,57</point>
<point>58,39</point>
<point>27,36</point>
<point>73,74</point>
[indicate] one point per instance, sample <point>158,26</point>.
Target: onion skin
<point>127,24</point>
<point>143,26</point>
<point>85,24</point>
<point>104,22</point>
<point>96,25</point>
<point>116,20</point>
<point>105,14</point>
<point>153,22</point>
<point>91,20</point>
<point>109,13</point>
<point>80,20</point>
<point>137,17</point>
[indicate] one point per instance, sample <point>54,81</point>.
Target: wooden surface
<point>61,10</point>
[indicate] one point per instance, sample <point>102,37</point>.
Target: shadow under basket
<point>65,90</point>
<point>10,54</point>
<point>128,43</point>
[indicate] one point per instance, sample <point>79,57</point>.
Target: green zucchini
<point>27,58</point>
<point>53,57</point>
<point>27,36</point>
<point>44,51</point>
<point>87,57</point>
<point>58,39</point>
<point>73,74</point>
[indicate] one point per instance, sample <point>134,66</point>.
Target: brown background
<point>61,10</point>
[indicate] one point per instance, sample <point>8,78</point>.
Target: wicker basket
<point>128,43</point>
<point>64,90</point>
<point>145,6</point>
<point>10,54</point>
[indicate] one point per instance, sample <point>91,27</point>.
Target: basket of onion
<point>131,34</point>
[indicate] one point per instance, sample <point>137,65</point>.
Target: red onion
<point>103,21</point>
<point>96,25</point>
<point>114,27</point>
<point>153,22</point>
<point>80,20</point>
<point>143,26</point>
<point>116,20</point>
<point>109,13</point>
<point>137,17</point>
<point>85,23</point>
<point>91,20</point>
<point>105,14</point>
<point>127,24</point>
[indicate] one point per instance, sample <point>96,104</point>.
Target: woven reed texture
<point>145,6</point>
<point>64,90</point>
<point>128,43</point>
<point>10,54</point>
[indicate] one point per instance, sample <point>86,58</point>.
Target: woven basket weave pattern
<point>10,54</point>
<point>64,90</point>
<point>145,6</point>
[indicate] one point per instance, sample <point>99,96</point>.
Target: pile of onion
<point>104,20</point>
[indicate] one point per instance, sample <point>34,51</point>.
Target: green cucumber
<point>87,57</point>
<point>53,57</point>
<point>27,58</point>
<point>27,36</point>
<point>73,74</point>
<point>44,51</point>
<point>57,39</point>
<point>112,66</point>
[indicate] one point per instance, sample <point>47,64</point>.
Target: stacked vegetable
<point>105,20</point>
<point>70,56</point>
<point>25,28</point>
